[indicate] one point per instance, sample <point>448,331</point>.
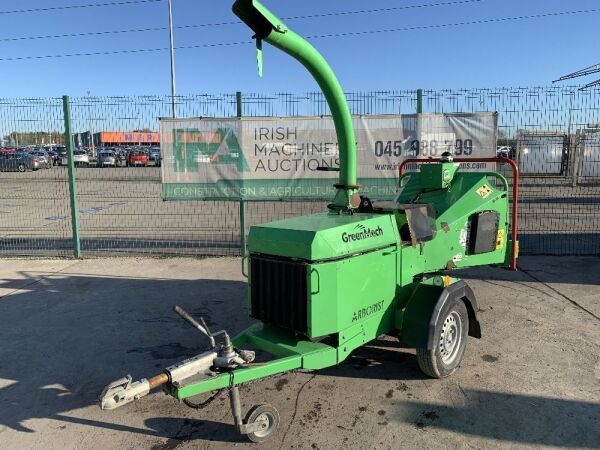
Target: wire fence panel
<point>119,191</point>
<point>542,153</point>
<point>557,218</point>
<point>552,132</point>
<point>589,169</point>
<point>34,194</point>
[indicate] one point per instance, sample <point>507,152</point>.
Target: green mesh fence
<point>552,132</point>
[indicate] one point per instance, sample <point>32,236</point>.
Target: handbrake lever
<point>203,329</point>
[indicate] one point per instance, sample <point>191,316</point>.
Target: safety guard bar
<point>515,204</point>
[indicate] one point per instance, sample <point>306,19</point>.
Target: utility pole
<point>172,48</point>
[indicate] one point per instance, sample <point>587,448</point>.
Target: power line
<point>91,5</point>
<point>218,24</point>
<point>90,33</point>
<point>456,24</point>
<point>349,13</point>
<point>318,36</point>
<point>121,52</point>
<point>378,10</point>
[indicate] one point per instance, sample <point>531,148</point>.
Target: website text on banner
<point>278,158</point>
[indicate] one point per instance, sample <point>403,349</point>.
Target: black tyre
<point>21,168</point>
<point>451,333</point>
<point>268,418</point>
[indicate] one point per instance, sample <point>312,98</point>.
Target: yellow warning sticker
<point>484,191</point>
<point>500,240</point>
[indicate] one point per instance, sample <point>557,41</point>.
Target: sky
<point>528,52</point>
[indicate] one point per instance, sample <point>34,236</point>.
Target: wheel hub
<point>263,421</point>
<point>450,337</point>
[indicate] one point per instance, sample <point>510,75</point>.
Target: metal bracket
<point>247,428</point>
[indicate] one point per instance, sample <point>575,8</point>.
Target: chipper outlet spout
<point>272,30</point>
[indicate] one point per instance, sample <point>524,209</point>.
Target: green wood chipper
<point>321,286</point>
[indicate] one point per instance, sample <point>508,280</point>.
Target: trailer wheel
<point>268,418</point>
<point>451,339</point>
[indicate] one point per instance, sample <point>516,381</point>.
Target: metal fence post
<point>238,102</point>
<point>72,181</point>
<point>419,101</point>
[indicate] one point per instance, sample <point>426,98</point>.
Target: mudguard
<point>422,313</point>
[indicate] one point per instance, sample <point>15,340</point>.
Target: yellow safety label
<point>484,191</point>
<point>500,240</point>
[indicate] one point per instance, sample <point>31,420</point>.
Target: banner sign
<point>265,158</point>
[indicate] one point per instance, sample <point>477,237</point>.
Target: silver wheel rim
<point>264,421</point>
<point>450,338</point>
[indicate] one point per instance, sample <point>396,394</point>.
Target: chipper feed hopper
<point>321,286</point>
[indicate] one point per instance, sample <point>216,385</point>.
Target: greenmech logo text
<point>362,232</point>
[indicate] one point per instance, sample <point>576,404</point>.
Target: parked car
<point>53,157</point>
<point>80,158</point>
<point>505,152</point>
<point>61,152</point>
<point>44,159</point>
<point>137,158</point>
<point>106,159</point>
<point>20,161</point>
<point>154,157</point>
<point>121,157</point>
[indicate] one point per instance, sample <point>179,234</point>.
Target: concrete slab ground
<point>67,328</point>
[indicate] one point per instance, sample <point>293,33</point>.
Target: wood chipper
<point>321,286</point>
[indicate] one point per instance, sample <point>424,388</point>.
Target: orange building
<point>120,138</point>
